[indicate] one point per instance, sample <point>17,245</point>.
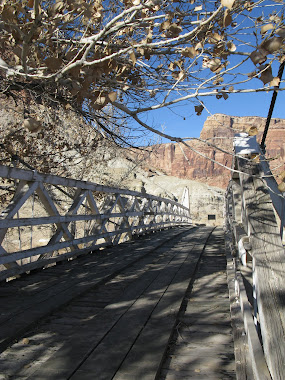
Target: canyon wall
<point>180,161</point>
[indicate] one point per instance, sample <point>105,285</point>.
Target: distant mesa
<point>219,130</point>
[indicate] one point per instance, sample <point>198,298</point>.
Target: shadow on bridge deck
<point>156,308</point>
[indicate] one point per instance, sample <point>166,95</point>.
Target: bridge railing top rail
<point>10,172</point>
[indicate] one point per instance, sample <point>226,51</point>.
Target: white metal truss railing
<point>255,221</point>
<point>47,218</point>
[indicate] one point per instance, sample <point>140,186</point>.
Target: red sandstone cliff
<point>219,130</point>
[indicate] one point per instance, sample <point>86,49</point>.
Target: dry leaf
<point>112,96</point>
<point>8,14</point>
<point>75,72</point>
<point>248,5</point>
<point>189,52</point>
<point>258,57</point>
<point>75,88</point>
<point>227,18</point>
<point>214,38</point>
<point>58,6</point>
<point>199,45</point>
<point>214,64</point>
<point>227,3</point>
<point>147,53</point>
<point>175,30</point>
<point>218,80</point>
<point>231,88</point>
<point>100,102</point>
<point>266,75</point>
<point>231,46</point>
<point>17,51</point>
<point>53,63</point>
<point>275,82</point>
<point>272,45</point>
<point>133,58</point>
<point>281,32</point>
<point>181,75</point>
<point>198,8</point>
<point>265,28</point>
<point>164,25</point>
<point>199,109</point>
<point>252,74</point>
<point>30,3</point>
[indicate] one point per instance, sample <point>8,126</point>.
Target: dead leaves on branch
<point>88,50</point>
<point>270,45</point>
<point>170,29</point>
<point>100,99</point>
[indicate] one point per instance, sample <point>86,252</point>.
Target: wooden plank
<point>31,309</point>
<point>147,353</point>
<point>150,334</point>
<point>269,267</point>
<point>147,279</point>
<point>203,347</point>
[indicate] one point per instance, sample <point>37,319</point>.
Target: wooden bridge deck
<point>157,308</point>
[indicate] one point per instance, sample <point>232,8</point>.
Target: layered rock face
<point>205,163</point>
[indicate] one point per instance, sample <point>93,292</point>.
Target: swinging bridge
<point>106,283</point>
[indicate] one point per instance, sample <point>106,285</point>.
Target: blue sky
<point>255,104</point>
<point>182,121</point>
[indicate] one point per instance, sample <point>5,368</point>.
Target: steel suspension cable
<point>272,104</point>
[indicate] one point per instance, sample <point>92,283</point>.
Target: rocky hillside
<point>206,202</point>
<point>66,146</point>
<point>218,130</point>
